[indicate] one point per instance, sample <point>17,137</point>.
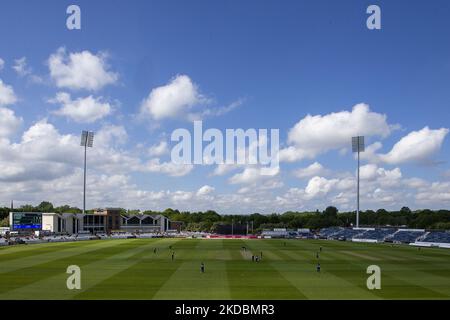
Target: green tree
<point>4,222</point>
<point>405,210</point>
<point>45,206</point>
<point>331,212</point>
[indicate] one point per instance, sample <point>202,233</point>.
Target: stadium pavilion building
<point>101,221</point>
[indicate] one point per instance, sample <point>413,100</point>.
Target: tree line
<point>209,221</point>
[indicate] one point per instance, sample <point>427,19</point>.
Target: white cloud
<point>169,168</point>
<point>20,66</point>
<point>370,152</point>
<point>418,146</point>
<point>346,183</point>
<point>368,172</point>
<point>437,192</point>
<point>205,190</point>
<point>181,99</point>
<point>9,122</point>
<point>7,95</point>
<point>111,135</point>
<point>173,100</point>
<point>319,186</point>
<point>23,70</point>
<point>253,174</point>
<point>389,176</point>
<point>46,164</point>
<point>222,169</point>
<point>293,198</point>
<point>248,152</point>
<point>104,190</point>
<point>42,154</point>
<point>379,186</point>
<point>83,110</point>
<point>318,134</point>
<point>35,79</point>
<point>218,111</point>
<point>80,70</point>
<point>258,188</point>
<point>257,185</point>
<point>313,169</point>
<point>381,176</point>
<point>415,183</point>
<point>181,196</point>
<point>118,190</point>
<point>159,149</point>
<point>45,154</point>
<point>2,64</point>
<point>382,197</point>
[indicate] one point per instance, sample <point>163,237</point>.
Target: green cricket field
<point>133,269</point>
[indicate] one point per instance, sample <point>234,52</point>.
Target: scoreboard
<point>26,221</point>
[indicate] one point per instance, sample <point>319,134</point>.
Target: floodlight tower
<point>87,140</point>
<point>357,147</point>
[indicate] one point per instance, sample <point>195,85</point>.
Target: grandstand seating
<point>414,236</point>
<point>346,234</point>
<point>376,234</point>
<point>328,232</point>
<point>405,236</point>
<point>382,234</point>
<point>437,237</point>
<point>305,235</point>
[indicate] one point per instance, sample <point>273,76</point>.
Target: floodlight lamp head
<point>87,139</point>
<point>358,144</point>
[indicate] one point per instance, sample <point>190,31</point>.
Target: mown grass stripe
<point>301,272</point>
<point>93,268</point>
<point>213,284</point>
<point>390,279</point>
<point>70,250</point>
<point>24,250</point>
<point>26,276</point>
<point>139,280</point>
<point>256,280</point>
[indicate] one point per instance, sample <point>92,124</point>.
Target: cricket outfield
<point>130,269</point>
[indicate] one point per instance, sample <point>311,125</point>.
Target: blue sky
<point>276,61</point>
